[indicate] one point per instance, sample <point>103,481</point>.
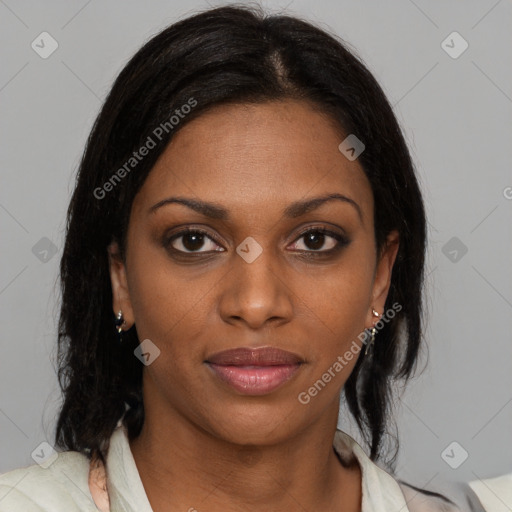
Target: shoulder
<point>60,487</point>
<point>421,500</point>
<point>382,488</point>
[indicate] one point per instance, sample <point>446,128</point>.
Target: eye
<point>191,240</point>
<point>316,240</point>
<point>319,238</point>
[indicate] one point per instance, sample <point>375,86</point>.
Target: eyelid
<point>320,227</point>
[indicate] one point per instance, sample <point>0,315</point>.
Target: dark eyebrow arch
<point>216,211</point>
<point>301,207</point>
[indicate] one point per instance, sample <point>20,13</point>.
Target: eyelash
<point>342,241</point>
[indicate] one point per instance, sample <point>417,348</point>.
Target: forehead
<point>256,154</point>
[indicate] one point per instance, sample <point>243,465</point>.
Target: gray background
<point>456,116</point>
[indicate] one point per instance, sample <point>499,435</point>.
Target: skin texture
<point>203,444</point>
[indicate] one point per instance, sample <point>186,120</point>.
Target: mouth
<point>255,371</point>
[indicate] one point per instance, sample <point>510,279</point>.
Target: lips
<point>265,356</point>
<point>254,371</point>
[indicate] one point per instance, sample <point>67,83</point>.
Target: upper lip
<point>264,356</point>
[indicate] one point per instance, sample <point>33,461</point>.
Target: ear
<point>120,293</point>
<point>382,279</point>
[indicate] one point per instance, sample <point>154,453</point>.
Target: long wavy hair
<point>232,54</point>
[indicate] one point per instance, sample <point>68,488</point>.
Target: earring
<point>373,332</point>
<point>119,322</point>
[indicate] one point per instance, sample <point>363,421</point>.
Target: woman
<point>245,246</point>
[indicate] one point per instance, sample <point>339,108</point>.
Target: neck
<point>186,467</point>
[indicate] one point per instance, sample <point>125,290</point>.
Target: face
<point>263,266</point>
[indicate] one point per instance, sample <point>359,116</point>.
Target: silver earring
<point>373,333</point>
<point>119,322</point>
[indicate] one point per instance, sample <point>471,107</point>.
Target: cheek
<point>168,312</point>
<point>167,308</point>
<point>336,332</point>
<point>338,298</point>
<point>336,306</point>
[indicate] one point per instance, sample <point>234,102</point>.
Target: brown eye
<point>321,240</point>
<point>192,240</point>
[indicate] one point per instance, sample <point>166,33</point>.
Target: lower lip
<point>255,380</point>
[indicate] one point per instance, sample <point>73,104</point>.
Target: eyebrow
<point>296,209</point>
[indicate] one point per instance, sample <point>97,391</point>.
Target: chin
<point>256,425</point>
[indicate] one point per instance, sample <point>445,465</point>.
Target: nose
<point>256,294</point>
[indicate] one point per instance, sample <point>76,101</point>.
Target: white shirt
<point>494,493</point>
<point>64,485</point>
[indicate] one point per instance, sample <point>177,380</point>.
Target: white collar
<point>381,492</point>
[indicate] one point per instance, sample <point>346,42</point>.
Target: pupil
<point>197,241</point>
<point>316,238</point>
